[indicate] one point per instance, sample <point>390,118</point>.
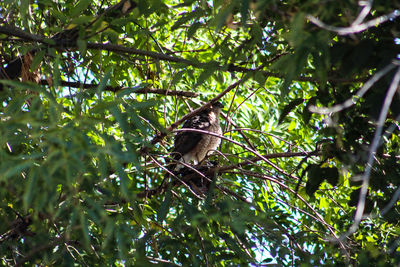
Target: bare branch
<point>270,156</point>
<point>355,28</point>
<point>374,146</point>
<point>364,89</point>
<point>392,202</point>
<point>364,12</point>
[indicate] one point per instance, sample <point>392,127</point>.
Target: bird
<point>193,147</point>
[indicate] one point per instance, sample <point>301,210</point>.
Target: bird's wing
<point>186,141</point>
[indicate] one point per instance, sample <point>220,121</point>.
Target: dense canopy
<point>92,93</point>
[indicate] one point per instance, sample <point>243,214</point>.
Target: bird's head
<point>216,107</point>
<point>214,110</point>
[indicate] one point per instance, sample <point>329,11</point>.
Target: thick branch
<point>14,31</point>
<point>17,32</point>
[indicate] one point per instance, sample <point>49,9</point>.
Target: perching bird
<point>194,146</point>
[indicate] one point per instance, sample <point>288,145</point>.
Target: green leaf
<point>82,46</point>
<point>78,9</point>
<point>123,178</point>
<point>24,11</point>
<point>297,33</point>
<point>177,77</point>
<point>103,166</point>
<point>193,28</point>
<point>31,187</point>
<point>207,72</point>
<point>260,78</point>
<point>81,20</point>
<point>85,229</point>
<point>244,11</point>
<point>164,208</point>
<point>222,16</point>
<point>331,174</point>
<point>186,17</point>
<point>121,244</point>
<point>37,59</point>
<point>120,117</point>
<point>104,81</point>
<point>16,169</point>
<point>315,178</point>
<point>289,107</point>
<point>56,72</point>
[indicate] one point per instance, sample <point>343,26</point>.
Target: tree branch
<point>355,27</point>
<point>119,88</point>
<point>14,31</point>
<point>365,178</point>
<point>199,172</point>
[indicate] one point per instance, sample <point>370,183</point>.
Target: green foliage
<point>89,88</point>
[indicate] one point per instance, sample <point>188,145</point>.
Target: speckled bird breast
<point>208,143</point>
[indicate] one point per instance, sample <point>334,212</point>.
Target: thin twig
<point>318,216</point>
<point>119,88</point>
<point>158,260</point>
